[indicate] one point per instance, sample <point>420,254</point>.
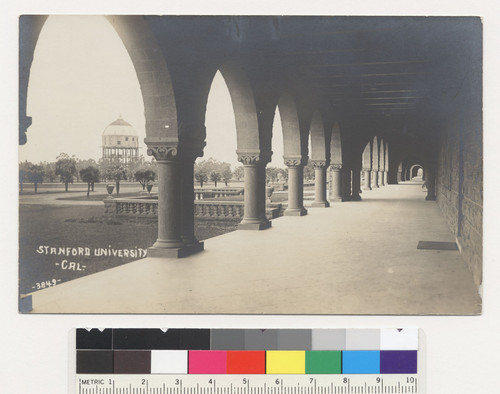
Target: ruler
<point>247,361</point>
<point>247,384</point>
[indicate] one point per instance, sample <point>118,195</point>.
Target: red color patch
<point>244,362</point>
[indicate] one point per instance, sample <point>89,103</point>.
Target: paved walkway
<point>351,258</point>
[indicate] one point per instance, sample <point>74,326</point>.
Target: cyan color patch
<point>360,361</point>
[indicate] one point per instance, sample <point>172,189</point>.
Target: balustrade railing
<point>137,207</point>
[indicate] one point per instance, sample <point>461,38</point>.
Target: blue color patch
<point>361,361</point>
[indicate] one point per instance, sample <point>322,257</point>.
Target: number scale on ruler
<point>247,384</point>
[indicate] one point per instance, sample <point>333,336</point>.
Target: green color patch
<point>323,362</point>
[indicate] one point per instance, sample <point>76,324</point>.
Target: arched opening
<point>366,167</point>
<point>416,172</point>
<point>294,156</point>
<point>220,149</point>
<point>73,96</point>
<point>249,151</point>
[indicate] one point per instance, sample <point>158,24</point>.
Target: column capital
<point>319,164</point>
<point>295,161</point>
<point>253,158</point>
<point>336,167</point>
<point>162,149</point>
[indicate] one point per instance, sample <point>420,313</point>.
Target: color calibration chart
<point>247,361</point>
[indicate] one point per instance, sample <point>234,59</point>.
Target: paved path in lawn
<point>352,258</point>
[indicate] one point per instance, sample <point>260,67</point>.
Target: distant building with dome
<point>120,142</point>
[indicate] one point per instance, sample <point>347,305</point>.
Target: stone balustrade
<point>200,194</point>
<point>140,207</point>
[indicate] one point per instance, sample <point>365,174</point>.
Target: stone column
<point>187,159</point>
<point>254,216</point>
<point>368,183</point>
<point>169,243</point>
<point>385,178</point>
<point>356,184</point>
<point>336,182</point>
<point>380,175</point>
<point>295,186</point>
<point>374,179</point>
<point>430,183</point>
<point>320,184</point>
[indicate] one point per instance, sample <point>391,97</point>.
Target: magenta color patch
<point>207,361</point>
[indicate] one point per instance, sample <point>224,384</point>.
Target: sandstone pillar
<point>368,183</point>
<point>430,183</point>
<point>336,182</point>
<point>356,184</point>
<point>254,216</point>
<point>169,243</point>
<point>320,184</point>
<point>374,179</point>
<point>187,159</point>
<point>295,187</point>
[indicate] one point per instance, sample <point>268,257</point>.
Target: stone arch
<point>318,138</point>
<point>375,154</point>
<point>367,157</point>
<point>30,27</point>
<point>150,66</point>
<point>336,145</point>
<point>414,170</point>
<point>290,126</point>
<point>244,106</point>
<point>152,72</point>
<point>381,154</point>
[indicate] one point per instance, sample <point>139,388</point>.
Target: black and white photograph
<point>239,164</point>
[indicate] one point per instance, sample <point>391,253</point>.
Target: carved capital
<point>162,149</point>
<point>319,164</point>
<point>162,153</point>
<point>249,158</point>
<point>295,161</point>
<point>336,167</point>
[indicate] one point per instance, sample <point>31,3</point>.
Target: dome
<point>120,127</point>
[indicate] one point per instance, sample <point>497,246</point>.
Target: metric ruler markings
<point>263,384</point>
<point>247,361</point>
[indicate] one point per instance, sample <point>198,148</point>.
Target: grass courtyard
<point>48,233</point>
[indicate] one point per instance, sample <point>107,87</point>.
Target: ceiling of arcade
<point>384,75</point>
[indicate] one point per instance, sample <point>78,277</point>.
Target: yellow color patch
<point>284,362</point>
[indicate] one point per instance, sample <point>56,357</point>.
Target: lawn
<point>71,227</point>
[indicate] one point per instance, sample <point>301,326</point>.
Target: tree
<point>226,173</point>
<point>24,172</point>
<point>115,171</point>
<point>66,169</point>
<point>200,173</point>
<point>35,175</point>
<point>143,176</point>
<point>89,175</point>
<point>81,164</point>
<point>272,174</point>
<point>309,171</point>
<point>239,173</point>
<point>49,170</point>
<point>215,176</point>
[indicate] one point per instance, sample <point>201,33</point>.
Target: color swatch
<point>233,351</point>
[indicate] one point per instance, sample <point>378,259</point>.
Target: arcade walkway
<point>351,258</point>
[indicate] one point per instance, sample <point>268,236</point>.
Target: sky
<point>82,79</point>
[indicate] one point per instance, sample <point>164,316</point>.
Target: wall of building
<point>459,184</point>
